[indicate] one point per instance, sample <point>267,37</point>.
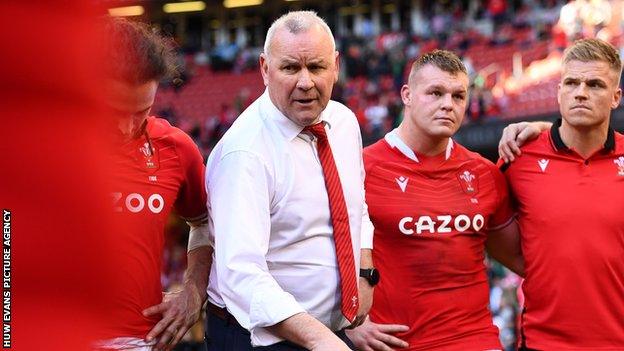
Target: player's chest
<point>411,201</point>
<point>146,182</point>
<point>541,184</point>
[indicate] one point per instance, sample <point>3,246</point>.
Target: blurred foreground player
<point>58,281</point>
<point>568,186</point>
<point>435,206</point>
<point>158,168</point>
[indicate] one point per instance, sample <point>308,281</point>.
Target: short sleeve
<point>191,201</point>
<point>504,213</point>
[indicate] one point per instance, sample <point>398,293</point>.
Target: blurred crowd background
<point>512,50</point>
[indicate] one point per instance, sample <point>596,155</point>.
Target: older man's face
<point>300,71</point>
<point>587,93</point>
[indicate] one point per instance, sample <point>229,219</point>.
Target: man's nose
<point>304,80</point>
<point>447,102</point>
<point>580,93</point>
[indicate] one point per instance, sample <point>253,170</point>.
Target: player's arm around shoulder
<point>517,134</point>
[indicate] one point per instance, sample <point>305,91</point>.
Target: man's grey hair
<point>296,22</point>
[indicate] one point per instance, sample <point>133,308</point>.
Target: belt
<point>222,313</point>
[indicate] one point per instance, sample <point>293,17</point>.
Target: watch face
<point>374,276</point>
<point>371,275</point>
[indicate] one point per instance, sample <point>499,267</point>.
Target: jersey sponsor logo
<point>441,224</point>
<point>543,163</point>
<point>468,181</point>
<point>135,202</point>
<point>619,162</point>
<point>402,181</point>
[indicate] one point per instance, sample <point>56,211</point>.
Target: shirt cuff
<point>269,309</point>
<point>367,235</point>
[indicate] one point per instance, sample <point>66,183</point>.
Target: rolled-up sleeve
<point>367,229</point>
<point>240,187</point>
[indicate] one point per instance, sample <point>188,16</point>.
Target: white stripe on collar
<point>395,141</point>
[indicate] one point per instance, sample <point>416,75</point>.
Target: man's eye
<point>436,93</point>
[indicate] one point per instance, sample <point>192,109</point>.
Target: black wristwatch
<point>371,275</point>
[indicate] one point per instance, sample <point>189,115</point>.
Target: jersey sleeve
<point>504,213</point>
<point>502,166</point>
<point>368,157</point>
<point>191,201</point>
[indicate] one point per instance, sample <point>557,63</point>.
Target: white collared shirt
<point>274,249</point>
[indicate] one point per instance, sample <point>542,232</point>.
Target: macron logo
<point>402,181</point>
<point>543,163</point>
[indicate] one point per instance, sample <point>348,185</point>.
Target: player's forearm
<point>199,261</point>
<point>365,289</point>
<point>303,329</point>
<point>504,246</point>
<point>508,255</point>
<point>541,125</point>
<point>366,258</point>
<point>514,261</point>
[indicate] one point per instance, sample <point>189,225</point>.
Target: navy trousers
<point>524,348</point>
<point>227,335</point>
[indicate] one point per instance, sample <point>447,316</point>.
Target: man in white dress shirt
<point>278,278</point>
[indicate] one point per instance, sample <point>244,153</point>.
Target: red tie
<point>340,222</point>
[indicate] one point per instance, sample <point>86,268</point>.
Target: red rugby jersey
<point>149,185</point>
<point>430,219</point>
<point>571,215</point>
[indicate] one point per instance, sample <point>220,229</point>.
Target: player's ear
<point>264,68</point>
<point>336,66</point>
<point>617,96</point>
<point>406,95</point>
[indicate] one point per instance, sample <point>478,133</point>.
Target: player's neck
<point>421,143</point>
<point>585,141</point>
